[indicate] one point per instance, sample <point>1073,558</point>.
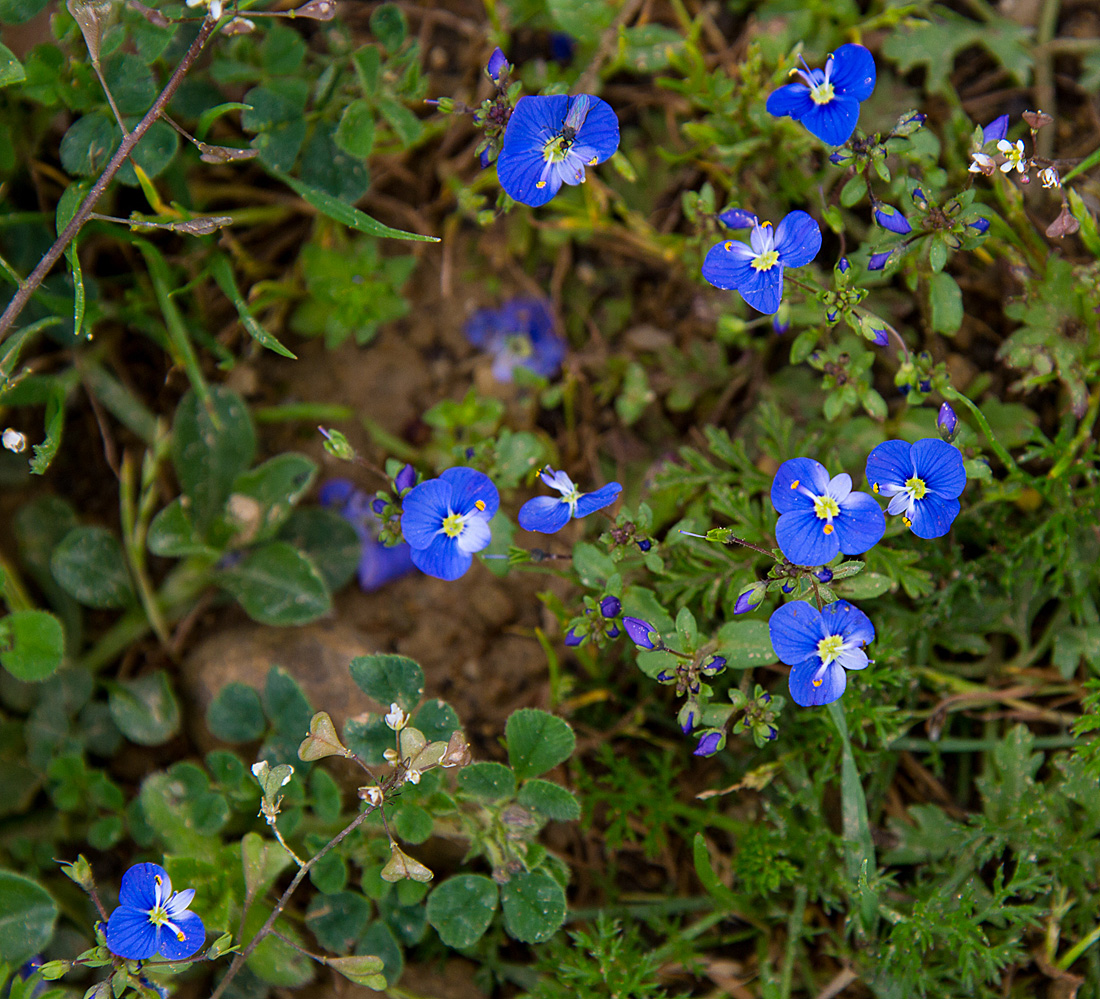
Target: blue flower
<point>820,646</point>
<point>820,516</point>
<point>550,140</point>
<point>827,101</point>
<point>923,480</point>
<point>520,334</point>
<point>153,919</point>
<point>756,269</point>
<point>378,563</point>
<point>638,631</point>
<point>877,261</point>
<point>890,218</point>
<point>842,265</point>
<point>572,638</point>
<point>548,515</point>
<point>446,520</point>
<point>880,338</point>
<point>644,545</point>
<point>947,422</point>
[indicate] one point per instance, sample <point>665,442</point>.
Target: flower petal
<point>545,514</point>
<point>795,629</point>
<point>861,524</point>
<point>130,934</point>
<point>795,472</point>
<point>802,537</point>
<point>600,131</point>
<point>853,72</point>
<point>469,487</point>
<point>139,886</point>
<point>194,936</point>
<point>727,264</point>
<point>475,535</point>
<point>842,618</point>
<point>792,100</point>
<point>890,463</point>
<point>833,123</point>
<point>763,290</point>
<point>442,558</point>
<point>379,564</point>
<point>932,517</point>
<point>604,496</point>
<point>424,510</point>
<point>178,902</point>
<point>798,239</point>
<point>940,465</point>
<point>801,683</point>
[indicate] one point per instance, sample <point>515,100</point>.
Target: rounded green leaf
<point>437,720</point>
<point>537,742</point>
<point>534,906</point>
<point>236,714</point>
<point>89,144</point>
<point>550,799</point>
<point>276,584</point>
<point>745,643</point>
<point>89,565</point>
<point>328,541</point>
<point>27,916</point>
<point>338,919</point>
<point>389,679</point>
<point>489,780</point>
<point>413,823</point>
<point>145,710</point>
<point>461,909</point>
<point>32,644</point>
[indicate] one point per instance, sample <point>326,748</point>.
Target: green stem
<point>794,934</point>
<point>1084,432</point>
<point>1079,948</point>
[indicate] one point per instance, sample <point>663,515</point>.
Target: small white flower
<point>1014,156</point>
<point>397,719</point>
<point>14,441</point>
<point>981,163</point>
<point>239,26</point>
<point>1049,178</point>
<point>390,756</point>
<point>413,776</point>
<point>371,794</point>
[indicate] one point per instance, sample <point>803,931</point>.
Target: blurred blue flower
<point>638,631</point>
<point>548,515</point>
<point>819,516</point>
<point>922,480</point>
<point>996,130</point>
<point>827,101</point>
<point>890,218</point>
<point>446,520</point>
<point>820,646</point>
<point>379,563</point>
<point>644,545</point>
<point>755,269</point>
<point>520,334</point>
<point>550,140</point>
<point>562,46</point>
<point>153,919</point>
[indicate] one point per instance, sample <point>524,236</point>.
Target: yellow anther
<point>593,161</point>
<point>765,223</point>
<point>794,485</point>
<point>874,488</point>
<point>541,184</point>
<point>480,504</point>
<point>827,529</point>
<point>816,683</point>
<point>906,521</point>
<point>179,934</point>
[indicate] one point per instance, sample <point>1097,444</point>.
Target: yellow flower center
<point>766,261</point>
<point>822,93</point>
<point>556,149</point>
<point>916,487</point>
<point>826,507</point>
<point>453,524</point>
<point>828,649</point>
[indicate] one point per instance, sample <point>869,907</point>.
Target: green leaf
<point>550,799</point>
<point>355,133</point>
<point>90,566</point>
<point>865,586</point>
<point>362,969</point>
<point>437,720</point>
<point>705,871</point>
<point>328,541</point>
<point>337,920</point>
<point>145,710</point>
<point>593,567</point>
<point>222,270</point>
<point>331,169</point>
<point>236,714</point>
<point>330,874</point>
<point>489,780</point>
<point>286,704</point>
<point>369,738</point>
<point>537,742</point>
<point>413,823</point>
<point>173,535</point>
<point>336,209</point>
<point>27,916</point>
<point>534,906</point>
<point>276,584</point>
<point>280,123</point>
<point>262,861</point>
<point>210,448</point>
<point>389,679</point>
<point>20,11</point>
<point>388,25</point>
<point>45,452</point>
<point>583,19</point>
<point>11,69</point>
<point>461,909</point>
<point>88,144</point>
<point>947,304</point>
<point>745,643</point>
<point>261,499</point>
<point>32,644</point>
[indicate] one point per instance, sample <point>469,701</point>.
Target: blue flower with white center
<point>446,520</point>
<point>520,334</point>
<point>821,516</point>
<point>922,480</point>
<point>548,515</point>
<point>550,140</point>
<point>378,563</point>
<point>153,919</point>
<point>827,101</point>
<point>820,646</point>
<point>755,269</point>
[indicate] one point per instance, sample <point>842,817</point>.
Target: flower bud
<point>713,666</point>
<point>610,606</point>
<point>996,130</point>
<point>890,218</point>
<point>645,544</point>
<point>878,261</point>
<point>710,743</point>
<point>498,65</point>
<point>979,225</point>
<point>842,265</point>
<point>405,479</point>
<point>947,423</point>
<point>638,631</point>
<point>378,506</point>
<point>572,638</point>
<point>737,218</point>
<point>824,574</point>
<point>749,598</point>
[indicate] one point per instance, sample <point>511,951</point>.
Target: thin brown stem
<point>84,212</point>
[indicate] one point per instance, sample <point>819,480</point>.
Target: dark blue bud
<point>838,158</point>
<point>665,676</point>
<point>890,218</point>
<point>378,506</point>
<point>748,599</point>
<point>919,199</point>
<point>645,544</point>
<point>470,453</point>
<point>613,631</point>
<point>689,723</point>
<point>773,733</point>
<point>483,158</point>
<point>824,575</point>
<point>903,389</point>
<point>881,337</point>
<point>831,315</point>
<point>714,665</point>
<point>780,326</point>
<point>878,260</point>
<point>737,218</point>
<point>766,698</point>
<point>405,479</point>
<point>610,606</point>
<point>709,744</point>
<point>572,638</point>
<point>842,265</point>
<point>947,423</point>
<point>638,632</point>
<point>498,63</point>
<point>788,586</point>
<point>979,225</point>
<point>561,46</point>
<point>926,385</point>
<point>919,119</point>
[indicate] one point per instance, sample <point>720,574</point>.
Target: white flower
<point>413,776</point>
<point>1014,156</point>
<point>981,163</point>
<point>371,794</point>
<point>1049,178</point>
<point>14,441</point>
<point>215,7</point>
<point>397,719</point>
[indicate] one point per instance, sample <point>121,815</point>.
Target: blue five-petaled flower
<point>153,919</point>
<point>820,516</point>
<point>446,520</point>
<point>548,515</point>
<point>550,140</point>
<point>923,482</point>
<point>827,101</point>
<point>755,269</point>
<point>820,646</point>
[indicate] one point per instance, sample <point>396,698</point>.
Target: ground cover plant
<point>548,498</point>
